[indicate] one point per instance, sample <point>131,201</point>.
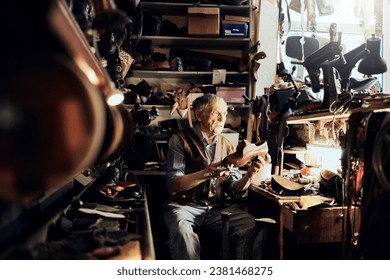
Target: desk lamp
<point>373,63</point>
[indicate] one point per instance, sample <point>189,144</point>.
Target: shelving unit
<point>222,43</point>
<point>313,121</point>
<point>240,112</point>
<point>200,75</point>
<point>40,218</point>
<point>234,47</point>
<point>326,115</point>
<point>316,117</point>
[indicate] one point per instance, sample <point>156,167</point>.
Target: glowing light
<point>323,156</point>
<point>115,98</point>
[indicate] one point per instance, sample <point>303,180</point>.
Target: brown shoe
<point>255,64</point>
<point>245,153</point>
<point>246,61</point>
<point>331,184</point>
<point>254,68</point>
<point>281,183</point>
<point>259,55</point>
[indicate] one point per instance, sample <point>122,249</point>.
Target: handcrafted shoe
<point>254,68</point>
<point>246,62</point>
<point>259,55</point>
<point>255,64</point>
<point>280,183</point>
<point>331,184</point>
<point>245,153</point>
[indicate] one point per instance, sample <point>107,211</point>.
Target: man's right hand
<point>215,169</point>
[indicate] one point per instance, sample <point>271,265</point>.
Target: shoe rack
<point>235,47</point>
<point>242,49</point>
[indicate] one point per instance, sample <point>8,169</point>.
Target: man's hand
<point>216,170</point>
<point>258,163</point>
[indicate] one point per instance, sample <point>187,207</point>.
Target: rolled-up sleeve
<point>176,167</point>
<point>234,176</point>
<point>175,161</point>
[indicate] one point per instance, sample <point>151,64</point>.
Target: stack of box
<point>205,22</point>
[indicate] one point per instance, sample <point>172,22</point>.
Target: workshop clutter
<point>179,96</point>
<point>199,22</point>
<point>178,59</point>
<point>106,222</point>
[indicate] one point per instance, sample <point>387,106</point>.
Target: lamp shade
<point>373,63</point>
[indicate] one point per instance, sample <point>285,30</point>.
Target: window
<point>357,20</point>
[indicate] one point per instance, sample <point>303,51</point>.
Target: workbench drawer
<point>315,225</point>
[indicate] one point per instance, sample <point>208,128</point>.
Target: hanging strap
<point>378,11</point>
<point>281,69</point>
<point>282,18</point>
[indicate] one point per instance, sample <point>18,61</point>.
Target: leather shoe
<point>246,62</point>
<point>245,152</point>
<point>255,64</point>
<point>331,184</point>
<point>254,68</point>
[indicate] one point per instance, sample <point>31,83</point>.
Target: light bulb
<point>115,98</point>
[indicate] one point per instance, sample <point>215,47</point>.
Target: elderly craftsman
<point>200,188</point>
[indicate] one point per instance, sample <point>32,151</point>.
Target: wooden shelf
<point>295,151</point>
<point>315,116</point>
<point>177,74</point>
<point>148,172</point>
<point>170,8</point>
<point>195,42</point>
<point>168,107</point>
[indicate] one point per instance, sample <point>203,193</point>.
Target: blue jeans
<point>181,221</point>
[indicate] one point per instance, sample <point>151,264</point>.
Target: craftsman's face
<point>213,118</point>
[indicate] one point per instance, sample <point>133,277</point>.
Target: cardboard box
<point>231,29</point>
<point>203,22</point>
<point>231,94</point>
<point>237,18</point>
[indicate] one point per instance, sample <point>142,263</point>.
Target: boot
<point>246,61</point>
<point>255,65</point>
